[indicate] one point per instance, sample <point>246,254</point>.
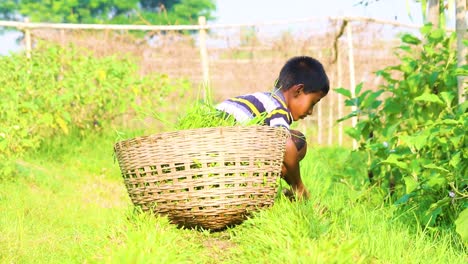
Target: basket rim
<point>184,131</point>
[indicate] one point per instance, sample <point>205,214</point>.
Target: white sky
<point>244,11</point>
<point>249,11</point>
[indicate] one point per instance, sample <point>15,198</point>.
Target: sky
<point>245,11</point>
<point>251,11</point>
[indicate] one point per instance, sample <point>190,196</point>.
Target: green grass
<point>69,205</point>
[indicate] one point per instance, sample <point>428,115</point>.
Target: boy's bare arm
<point>291,172</point>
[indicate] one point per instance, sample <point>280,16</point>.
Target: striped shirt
<point>246,107</point>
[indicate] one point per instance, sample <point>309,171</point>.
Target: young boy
<point>301,84</point>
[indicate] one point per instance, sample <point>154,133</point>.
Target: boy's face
<point>301,104</point>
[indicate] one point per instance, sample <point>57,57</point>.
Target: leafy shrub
<point>63,89</point>
<point>204,114</point>
<point>201,115</point>
<point>415,139</point>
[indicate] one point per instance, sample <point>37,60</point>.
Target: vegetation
<point>415,139</point>
<point>60,91</point>
<point>204,114</point>
<point>68,203</point>
<point>101,11</point>
<point>62,198</point>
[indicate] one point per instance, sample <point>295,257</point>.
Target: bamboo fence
<point>345,54</point>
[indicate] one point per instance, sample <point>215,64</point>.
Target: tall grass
<point>69,205</point>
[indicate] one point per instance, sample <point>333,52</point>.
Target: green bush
<point>60,90</point>
<point>204,114</point>
<point>415,139</point>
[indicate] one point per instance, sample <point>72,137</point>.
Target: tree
<point>104,11</point>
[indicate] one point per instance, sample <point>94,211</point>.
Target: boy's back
<point>270,105</point>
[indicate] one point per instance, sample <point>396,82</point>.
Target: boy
<point>301,84</point>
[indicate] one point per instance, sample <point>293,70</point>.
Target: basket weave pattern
<point>207,177</point>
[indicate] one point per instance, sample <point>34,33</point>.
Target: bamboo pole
<point>433,12</point>
<point>204,58</point>
<point>319,116</point>
<point>62,37</point>
<point>461,50</point>
<point>27,39</point>
<point>330,113</point>
<point>340,97</point>
<point>319,124</point>
<point>70,26</point>
<point>352,81</point>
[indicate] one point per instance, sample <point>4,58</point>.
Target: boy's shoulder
<point>259,93</point>
<point>265,97</point>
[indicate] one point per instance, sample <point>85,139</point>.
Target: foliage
<point>205,114</point>
<point>415,138</point>
<point>202,114</point>
<point>102,11</point>
<point>76,210</point>
<point>62,90</point>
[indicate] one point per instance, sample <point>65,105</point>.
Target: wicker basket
<point>207,177</point>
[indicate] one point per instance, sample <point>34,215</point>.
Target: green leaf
<point>420,140</point>
<point>427,28</point>
<point>434,167</point>
<point>352,102</point>
<point>447,97</point>
<point>354,133</point>
<point>369,100</point>
<point>344,92</point>
<point>410,39</point>
<point>433,78</point>
<point>410,183</point>
<point>448,122</point>
<point>461,71</point>
<point>352,114</point>
<point>389,130</point>
<point>405,198</point>
<point>417,141</point>
<point>436,182</point>
<point>437,35</point>
<point>391,107</point>
<point>462,225</point>
<point>455,160</point>
<point>405,48</point>
<point>358,88</point>
<point>430,217</point>
<point>428,97</point>
<point>392,159</point>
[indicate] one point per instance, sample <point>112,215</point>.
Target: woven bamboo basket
<point>207,177</point>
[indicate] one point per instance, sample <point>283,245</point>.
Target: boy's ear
<point>298,89</point>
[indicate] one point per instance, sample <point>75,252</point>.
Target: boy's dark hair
<point>305,70</point>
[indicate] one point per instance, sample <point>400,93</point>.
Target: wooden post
<point>433,12</point>
<point>352,81</point>
<point>319,124</point>
<point>330,113</point>
<point>461,50</point>
<point>340,97</point>
<point>204,59</point>
<point>62,37</point>
<point>319,116</point>
<point>27,39</point>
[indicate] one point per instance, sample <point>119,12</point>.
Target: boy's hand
<point>302,193</point>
